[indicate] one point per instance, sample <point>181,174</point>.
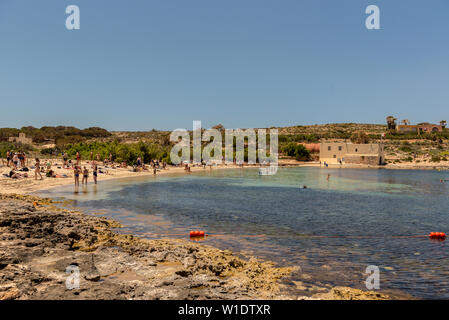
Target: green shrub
<point>298,151</point>
<point>128,152</point>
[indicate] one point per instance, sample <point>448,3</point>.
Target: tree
<point>298,151</point>
<point>391,123</point>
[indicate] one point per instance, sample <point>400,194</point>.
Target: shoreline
<point>30,185</point>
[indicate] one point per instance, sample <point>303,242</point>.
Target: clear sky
<point>143,64</point>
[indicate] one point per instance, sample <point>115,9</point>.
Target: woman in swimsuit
<point>37,169</point>
<point>95,173</point>
<point>76,172</point>
<point>78,158</point>
<point>85,175</point>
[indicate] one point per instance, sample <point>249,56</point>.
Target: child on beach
<point>37,169</point>
<point>85,175</point>
<point>48,165</point>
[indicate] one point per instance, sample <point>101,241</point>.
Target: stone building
<point>21,139</point>
<point>421,128</point>
<point>350,153</point>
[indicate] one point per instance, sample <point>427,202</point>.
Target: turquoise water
<point>332,230</point>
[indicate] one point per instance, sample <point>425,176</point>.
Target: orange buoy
<point>196,233</point>
<point>437,235</point>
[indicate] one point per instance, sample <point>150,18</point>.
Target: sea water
<point>331,230</point>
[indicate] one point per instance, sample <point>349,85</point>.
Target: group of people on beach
<point>15,159</point>
<point>18,162</point>
<point>85,173</point>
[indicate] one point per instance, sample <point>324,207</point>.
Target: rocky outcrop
<point>344,293</point>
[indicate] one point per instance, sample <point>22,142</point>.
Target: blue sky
<point>143,64</point>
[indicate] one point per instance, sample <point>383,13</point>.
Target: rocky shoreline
<point>40,241</point>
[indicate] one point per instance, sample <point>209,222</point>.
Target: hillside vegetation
<point>127,146</point>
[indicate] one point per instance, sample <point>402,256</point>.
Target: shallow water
<point>332,230</point>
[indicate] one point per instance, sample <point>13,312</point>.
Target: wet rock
<point>345,293</point>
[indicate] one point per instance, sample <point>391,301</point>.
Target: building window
<point>356,150</point>
<point>329,148</point>
<point>339,148</point>
<point>335,156</point>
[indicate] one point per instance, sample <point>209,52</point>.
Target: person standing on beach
<point>15,160</point>
<point>85,175</point>
<point>110,158</point>
<point>8,157</point>
<point>64,158</point>
<point>95,173</point>
<point>91,156</point>
<point>78,158</point>
<point>37,169</point>
<point>21,159</point>
<point>328,177</point>
<point>76,174</point>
